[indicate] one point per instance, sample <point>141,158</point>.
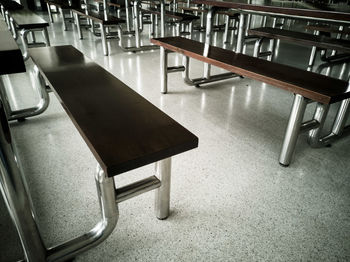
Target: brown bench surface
<point>302,38</point>
<point>175,15</point>
<point>11,5</point>
<point>11,59</point>
<point>26,19</point>
<point>110,3</point>
<point>328,29</point>
<point>62,4</point>
<point>308,84</point>
<point>122,129</point>
<point>99,17</point>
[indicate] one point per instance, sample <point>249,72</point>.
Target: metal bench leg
<point>32,111</point>
<point>257,46</point>
<point>338,129</point>
<point>7,20</point>
<point>272,49</point>
<point>77,22</point>
<point>32,35</point>
<point>293,129</point>
<point>23,35</point>
<point>17,197</point>
<point>46,37</point>
<point>162,194</point>
<point>312,56</point>
<point>64,20</point>
<point>227,25</point>
<point>163,70</point>
<point>13,28</point>
<point>49,12</point>
<point>104,41</point>
<point>109,212</point>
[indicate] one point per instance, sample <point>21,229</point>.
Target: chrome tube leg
<point>32,35</point>
<point>40,107</point>
<point>227,25</point>
<point>257,46</point>
<point>17,198</point>
<point>342,116</point>
<point>320,116</point>
<point>186,64</point>
<point>162,18</point>
<point>162,194</point>
<point>63,20</point>
<point>249,21</point>
<point>109,212</point>
<point>13,28</point>
<point>77,22</point>
<point>240,37</point>
<point>136,24</point>
<point>7,20</point>
<point>46,37</point>
<point>49,12</point>
<point>127,15</point>
<point>23,35</point>
<point>272,49</point>
<point>293,129</point>
<point>208,40</point>
<point>104,41</point>
<point>163,70</point>
<point>312,56</point>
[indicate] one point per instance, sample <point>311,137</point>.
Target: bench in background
<point>317,41</point>
<point>123,131</point>
<point>307,86</point>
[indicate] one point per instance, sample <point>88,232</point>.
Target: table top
<point>329,12</point>
<point>11,59</point>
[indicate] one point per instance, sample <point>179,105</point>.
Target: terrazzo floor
<point>230,199</point>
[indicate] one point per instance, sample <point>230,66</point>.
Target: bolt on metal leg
<point>162,194</point>
<point>293,129</point>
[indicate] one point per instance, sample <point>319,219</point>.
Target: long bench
<point>25,21</point>
<point>179,18</point>
<point>307,86</point>
<point>62,6</point>
<point>317,41</point>
<point>104,20</point>
<point>123,131</point>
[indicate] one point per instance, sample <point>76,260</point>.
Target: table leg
<point>208,39</point>
<point>240,37</point>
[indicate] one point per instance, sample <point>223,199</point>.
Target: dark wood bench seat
<point>123,130</point>
<point>316,41</point>
<point>62,4</point>
<point>26,19</point>
<point>10,5</point>
<point>304,84</point>
<point>328,29</point>
<point>10,54</point>
<point>99,17</point>
<point>176,15</point>
<point>307,84</point>
<point>302,38</point>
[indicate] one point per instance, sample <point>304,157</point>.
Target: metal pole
<point>293,129</point>
<point>16,195</point>
<point>162,194</point>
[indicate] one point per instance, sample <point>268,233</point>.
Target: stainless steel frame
<point>18,200</point>
<point>23,35</point>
